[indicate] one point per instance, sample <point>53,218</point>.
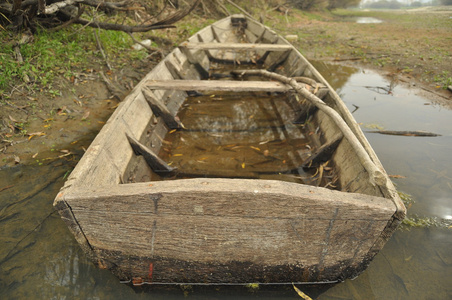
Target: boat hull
<point>223,230</point>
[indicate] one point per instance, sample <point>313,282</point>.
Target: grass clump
<point>49,54</point>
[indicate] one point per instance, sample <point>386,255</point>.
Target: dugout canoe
<point>228,230</point>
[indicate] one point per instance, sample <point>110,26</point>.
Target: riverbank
<point>56,117</point>
<point>411,46</point>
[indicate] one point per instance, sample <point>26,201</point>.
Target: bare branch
<point>165,23</point>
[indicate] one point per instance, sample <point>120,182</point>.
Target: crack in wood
<point>327,238</point>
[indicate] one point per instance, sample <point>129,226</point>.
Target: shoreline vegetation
<point>59,88</point>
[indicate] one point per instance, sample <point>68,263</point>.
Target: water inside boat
<point>241,135</point>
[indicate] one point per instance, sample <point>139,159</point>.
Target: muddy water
<point>39,259</point>
<point>240,135</point>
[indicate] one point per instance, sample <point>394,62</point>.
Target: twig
<point>406,133</point>
<point>114,89</point>
<point>224,8</point>
<point>241,9</point>
<point>27,235</point>
<point>99,45</point>
<point>6,187</point>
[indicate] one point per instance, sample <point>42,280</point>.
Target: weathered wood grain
<point>236,46</point>
<point>216,85</point>
<point>305,226</point>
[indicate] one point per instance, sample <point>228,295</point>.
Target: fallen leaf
<point>31,135</point>
<point>300,293</point>
<point>397,176</point>
<point>86,115</point>
<point>79,103</point>
<point>16,159</point>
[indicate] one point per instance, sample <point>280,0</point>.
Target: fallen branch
<point>53,8</point>
<point>241,9</point>
<point>406,133</point>
<point>19,11</point>
<point>99,45</point>
<point>376,176</point>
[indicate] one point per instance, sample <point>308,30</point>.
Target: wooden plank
<point>204,74</point>
<point>236,46</point>
<point>215,85</point>
<point>159,109</point>
<point>295,215</point>
<point>152,159</point>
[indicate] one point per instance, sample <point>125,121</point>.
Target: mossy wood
<point>227,230</point>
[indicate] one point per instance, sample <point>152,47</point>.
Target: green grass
<point>444,79</point>
<point>60,54</point>
<point>50,54</point>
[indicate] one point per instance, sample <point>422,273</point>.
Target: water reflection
<point>368,20</point>
<point>415,264</point>
<point>40,259</point>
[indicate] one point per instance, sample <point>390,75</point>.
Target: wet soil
<point>37,126</point>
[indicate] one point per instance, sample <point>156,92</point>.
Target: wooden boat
<point>229,230</point>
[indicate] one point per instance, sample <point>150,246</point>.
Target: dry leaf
<point>397,176</point>
<point>300,293</point>
<point>31,135</point>
<point>86,115</point>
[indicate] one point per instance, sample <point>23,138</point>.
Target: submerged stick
<point>406,133</point>
<point>376,175</point>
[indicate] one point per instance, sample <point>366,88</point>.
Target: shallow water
<point>368,20</point>
<point>39,259</point>
<point>239,135</point>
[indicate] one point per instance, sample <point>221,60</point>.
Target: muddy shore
<point>36,128</point>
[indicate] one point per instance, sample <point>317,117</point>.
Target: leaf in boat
<point>255,148</point>
<point>300,293</point>
<point>243,165</point>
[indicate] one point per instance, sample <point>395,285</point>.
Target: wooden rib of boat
<point>227,230</point>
